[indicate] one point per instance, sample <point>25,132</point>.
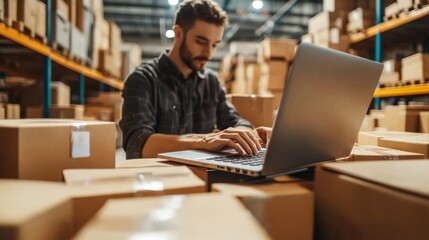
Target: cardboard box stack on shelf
<point>131,58</point>
<point>68,112</point>
<point>391,11</point>
<point>275,57</point>
<point>78,45</point>
<point>100,41</point>
<point>415,68</point>
<point>10,12</point>
<point>327,28</point>
<point>60,22</point>
<point>360,19</point>
<point>404,118</point>
<point>372,200</point>
<point>31,18</point>
<point>391,73</point>
<point>42,149</point>
<point>242,84</point>
<point>424,121</point>
<point>10,111</point>
<point>258,109</point>
<point>110,59</point>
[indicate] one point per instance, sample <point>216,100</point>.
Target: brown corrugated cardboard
<point>27,13</point>
<point>404,118</point>
<point>72,12</point>
<point>92,188</point>
<point>257,109</point>
<point>373,137</point>
<point>389,79</point>
<point>391,66</point>
<point>35,210</point>
<point>284,209</point>
<point>372,200</point>
<point>253,73</point>
<point>40,28</point>
<point>2,112</point>
<point>326,20</point>
<point>273,74</point>
<point>338,5</point>
<point>99,112</point>
<point>418,143</point>
<point>10,11</point>
<point>144,162</point>
<point>279,48</point>
<point>375,153</point>
<point>415,67</point>
<point>41,149</point>
<point>391,10</point>
<point>175,217</point>
<point>424,122</point>
<point>72,111</point>
<point>368,123</point>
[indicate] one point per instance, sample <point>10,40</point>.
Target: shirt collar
<point>169,67</point>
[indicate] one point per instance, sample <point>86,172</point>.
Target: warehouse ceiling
<point>146,21</point>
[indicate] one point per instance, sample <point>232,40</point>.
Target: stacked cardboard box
<point>373,137</point>
<point>372,200</point>
<point>283,207</point>
<point>60,25</point>
<point>131,58</point>
<point>360,19</point>
<point>110,59</point>
<point>391,73</point>
<point>255,108</point>
<point>2,112</point>
<point>41,149</point>
<point>327,29</point>
<point>418,143</point>
<point>404,118</point>
<point>253,73</point>
<point>241,83</point>
<point>424,122</point>
<point>107,100</point>
<point>71,112</point>
<point>1,10</point>
<point>10,12</point>
<point>78,45</point>
<point>275,57</point>
<point>390,11</point>
<point>92,188</point>
<point>10,111</point>
<point>415,67</point>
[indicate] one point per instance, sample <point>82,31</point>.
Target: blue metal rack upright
<point>378,51</point>
<point>47,78</point>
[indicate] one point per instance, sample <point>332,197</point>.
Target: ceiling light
<point>257,4</point>
<point>173,2</point>
<point>169,33</point>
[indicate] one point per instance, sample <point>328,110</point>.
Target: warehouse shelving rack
<point>392,32</point>
<point>43,56</point>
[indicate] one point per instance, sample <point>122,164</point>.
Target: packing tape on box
<point>161,222</point>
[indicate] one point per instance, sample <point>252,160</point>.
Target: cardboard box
<point>10,11</point>
<point>284,209</point>
<point>77,43</point>
<point>424,122</point>
<point>404,118</point>
<point>406,4</point>
<point>326,20</point>
<point>417,144</point>
<point>144,163</point>
<point>373,137</point>
<point>257,109</point>
<point>35,210</point>
<point>277,94</point>
<point>372,200</point>
<point>92,188</point>
<point>368,123</point>
<point>274,74</point>
<point>27,13</point>
<point>32,95</point>
<point>175,217</point>
<point>99,112</point>
<point>72,12</point>
<point>375,153</point>
<point>415,67</point>
<point>131,58</point>
<point>97,8</point>
<point>391,66</point>
<point>11,111</point>
<point>41,19</point>
<point>100,41</point>
<point>2,112</point>
<point>1,10</point>
<point>389,78</point>
<point>61,24</point>
<point>279,48</point>
<point>72,112</point>
<point>253,73</point>
<point>88,21</point>
<point>391,10</point>
<point>60,94</point>
<point>338,5</point>
<point>41,149</point>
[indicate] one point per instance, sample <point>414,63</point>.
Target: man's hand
<point>242,140</point>
<point>264,133</point>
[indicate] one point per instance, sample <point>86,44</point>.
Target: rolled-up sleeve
<point>138,113</point>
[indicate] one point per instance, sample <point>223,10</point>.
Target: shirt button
<point>174,107</point>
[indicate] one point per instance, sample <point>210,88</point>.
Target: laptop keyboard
<point>254,160</point>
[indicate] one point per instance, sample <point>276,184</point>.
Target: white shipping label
<point>80,144</point>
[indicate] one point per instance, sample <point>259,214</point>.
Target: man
<point>173,103</point>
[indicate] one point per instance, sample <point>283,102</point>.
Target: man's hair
<point>190,11</point>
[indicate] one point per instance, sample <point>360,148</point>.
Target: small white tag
<point>80,144</point>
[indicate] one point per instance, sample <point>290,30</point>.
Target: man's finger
<point>237,137</point>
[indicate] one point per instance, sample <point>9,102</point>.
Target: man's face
<point>199,44</point>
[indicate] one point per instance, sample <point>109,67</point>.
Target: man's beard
<point>187,58</point>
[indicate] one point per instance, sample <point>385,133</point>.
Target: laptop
<point>325,99</point>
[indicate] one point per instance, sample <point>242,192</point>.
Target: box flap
<point>23,200</point>
<point>410,175</point>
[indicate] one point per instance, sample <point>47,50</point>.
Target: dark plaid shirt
<point>158,99</point>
